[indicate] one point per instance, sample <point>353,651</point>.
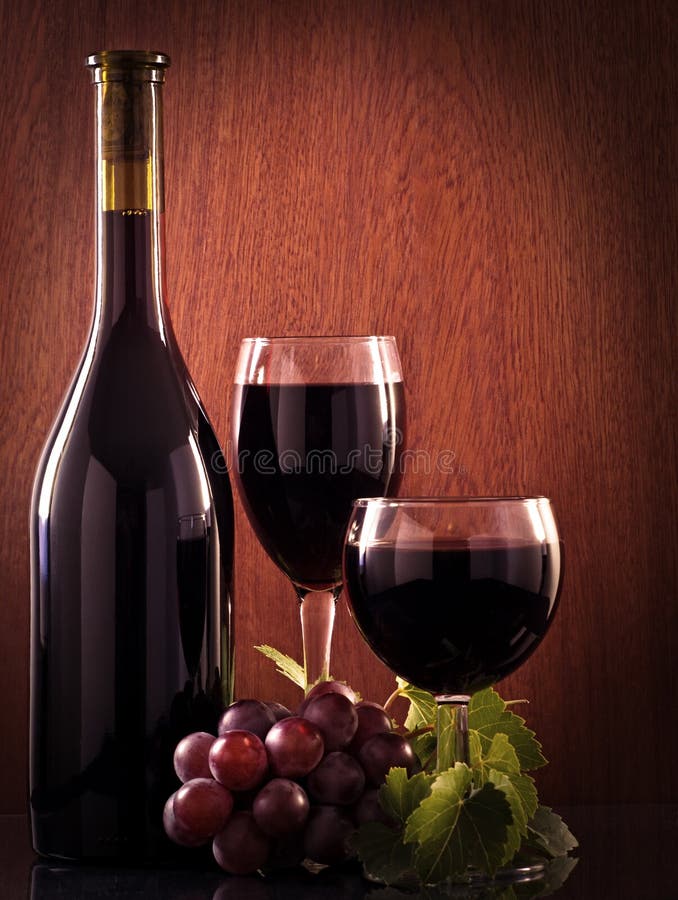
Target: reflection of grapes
<point>253,805</point>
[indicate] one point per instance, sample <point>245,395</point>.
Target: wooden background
<point>495,183</point>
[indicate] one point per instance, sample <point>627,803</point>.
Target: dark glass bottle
<point>131,526</point>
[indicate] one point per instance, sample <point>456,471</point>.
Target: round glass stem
<point>317,623</point>
<point>452,731</point>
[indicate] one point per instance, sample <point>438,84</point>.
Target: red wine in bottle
<point>131,526</point>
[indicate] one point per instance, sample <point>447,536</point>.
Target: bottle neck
<point>129,202</point>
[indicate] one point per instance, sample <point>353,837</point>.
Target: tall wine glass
<point>318,422</point>
<point>453,594</point>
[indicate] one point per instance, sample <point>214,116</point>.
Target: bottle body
<point>131,571</point>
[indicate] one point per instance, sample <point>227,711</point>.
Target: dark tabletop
<point>625,852</point>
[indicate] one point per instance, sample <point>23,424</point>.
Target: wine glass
<point>453,594</point>
<point>318,422</point>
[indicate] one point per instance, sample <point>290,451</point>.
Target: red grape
<point>247,715</point>
<point>326,835</point>
<point>383,751</point>
<point>335,716</point>
<point>201,807</point>
<point>338,780</point>
<point>372,719</point>
<point>281,806</point>
<point>191,756</point>
<point>368,809</point>
<point>278,710</point>
<point>327,687</point>
<point>338,749</point>
<point>294,746</point>
<point>174,831</point>
<point>241,847</point>
<point>287,852</point>
<point>238,760</point>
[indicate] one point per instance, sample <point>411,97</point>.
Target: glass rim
<point>319,338</point>
<point>394,502</point>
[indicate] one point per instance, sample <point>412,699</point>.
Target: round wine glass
<point>453,594</point>
<point>318,422</point>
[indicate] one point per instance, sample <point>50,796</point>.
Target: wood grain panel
<point>495,184</point>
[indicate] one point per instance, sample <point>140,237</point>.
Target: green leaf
<point>488,715</point>
<point>422,709</point>
<point>383,854</point>
<point>517,830</point>
<point>475,747</point>
<point>501,768</point>
<point>285,665</point>
<point>399,796</point>
<point>547,833</point>
<point>424,745</point>
<point>502,757</point>
<point>446,736</point>
<point>455,829</point>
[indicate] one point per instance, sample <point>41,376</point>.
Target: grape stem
<point>423,729</point>
<point>392,698</point>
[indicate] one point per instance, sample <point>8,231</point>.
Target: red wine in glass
<point>453,616</point>
<point>318,422</point>
<point>453,594</point>
<point>299,500</point>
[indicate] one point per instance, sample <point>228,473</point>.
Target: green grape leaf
<point>502,757</point>
<point>285,665</point>
<point>422,709</point>
<point>518,828</point>
<point>424,745</point>
<point>399,796</point>
<point>548,834</point>
<point>488,715</point>
<point>475,747</point>
<point>454,829</point>
<point>383,854</point>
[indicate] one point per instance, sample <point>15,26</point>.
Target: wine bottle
<point>131,525</point>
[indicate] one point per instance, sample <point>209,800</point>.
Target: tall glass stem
<point>452,731</point>
<point>317,610</point>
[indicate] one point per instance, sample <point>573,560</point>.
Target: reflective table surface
<point>624,852</point>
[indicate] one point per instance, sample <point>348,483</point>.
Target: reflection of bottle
<point>197,881</point>
<point>131,642</point>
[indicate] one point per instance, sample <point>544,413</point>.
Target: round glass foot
<point>476,885</point>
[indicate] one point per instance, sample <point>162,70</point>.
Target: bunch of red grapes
<point>276,788</point>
